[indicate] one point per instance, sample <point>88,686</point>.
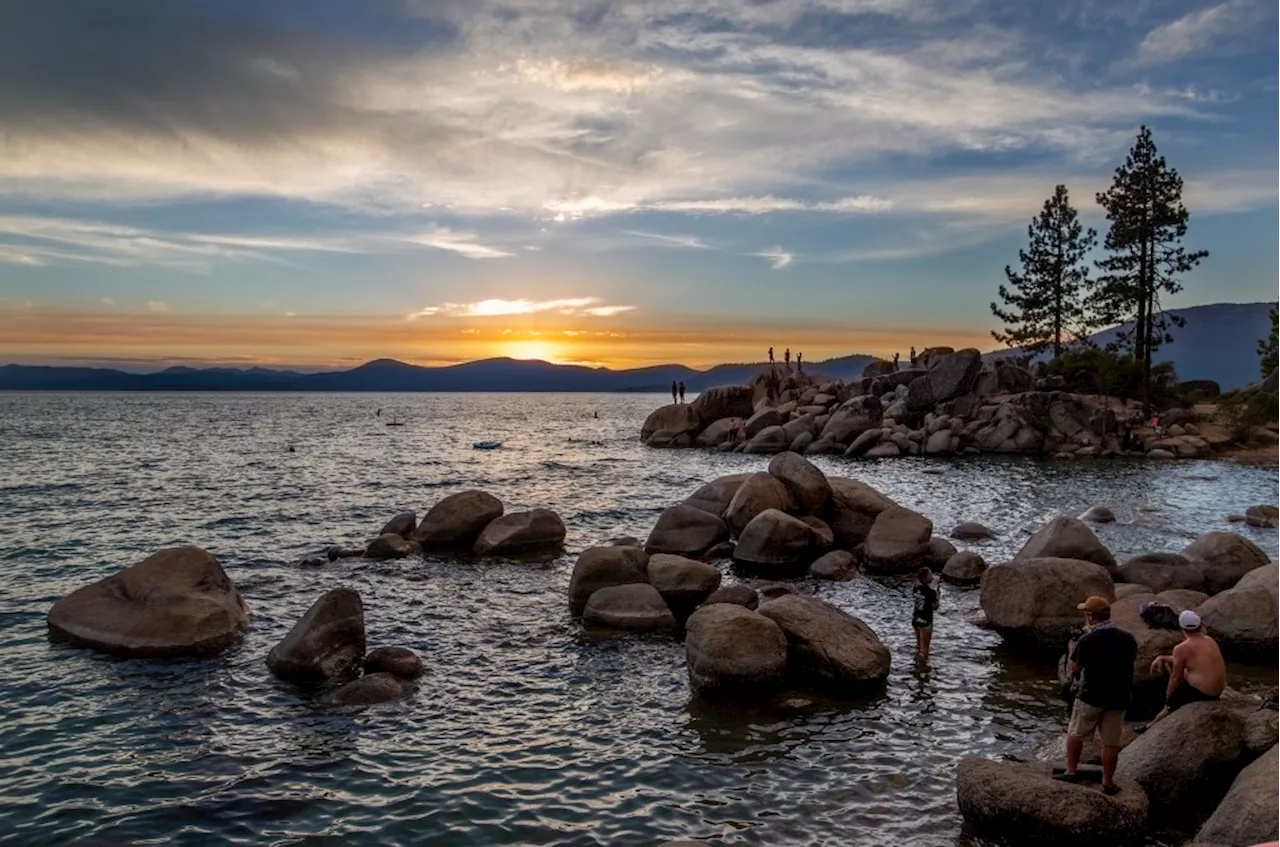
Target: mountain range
<point>1217,343</point>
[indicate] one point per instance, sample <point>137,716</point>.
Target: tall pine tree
<point>1043,306</point>
<point>1148,223</point>
<point>1268,350</point>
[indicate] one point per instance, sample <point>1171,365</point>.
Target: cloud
<point>690,241</point>
<point>591,306</point>
<point>463,243</point>
<point>1198,31</point>
<point>158,306</point>
<point>780,258</point>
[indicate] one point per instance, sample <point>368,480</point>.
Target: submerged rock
<point>391,546</point>
<point>520,533</point>
<point>327,643</point>
<point>457,520</point>
<point>631,608</point>
<point>402,524</point>
<point>368,690</point>
<point>964,568</point>
<point>397,661</point>
<point>177,602</point>
<point>601,567</point>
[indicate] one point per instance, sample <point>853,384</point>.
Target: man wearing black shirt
<point>924,599</point>
<point>1105,655</point>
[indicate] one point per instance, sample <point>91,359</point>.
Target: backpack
<point>1159,616</point>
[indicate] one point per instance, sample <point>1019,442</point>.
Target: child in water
<point>924,600</point>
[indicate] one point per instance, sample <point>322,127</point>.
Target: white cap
<point>1189,620</point>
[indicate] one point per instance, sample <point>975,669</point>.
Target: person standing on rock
<point>674,393</point>
<point>924,601</point>
<point>895,361</point>
<point>771,355</point>
<point>1196,669</point>
<point>1104,655</point>
<point>913,357</point>
<point>682,392</point>
<point>799,358</point>
<point>786,357</point>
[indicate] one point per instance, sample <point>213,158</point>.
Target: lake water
<point>525,730</point>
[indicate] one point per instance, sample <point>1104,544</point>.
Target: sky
<point>315,184</point>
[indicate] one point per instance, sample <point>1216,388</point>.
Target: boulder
<point>1183,598</point>
<point>938,443</point>
<point>1187,761</point>
<point>1159,453</point>
<point>1248,814</point>
<point>938,552</point>
<point>887,450</point>
<point>852,418</point>
<point>177,602</point>
<point>826,537</point>
<point>898,541</point>
<point>327,643</point>
<point>674,418</point>
<point>758,492</point>
<point>775,539</point>
<point>852,510</point>
<point>391,546</point>
<point>601,567</point>
<point>800,443</point>
<point>1099,514</point>
<point>397,661</point>
<point>971,531</point>
<point>1131,589</point>
<point>1262,516</point>
<point>715,496</point>
<point>838,565</point>
<point>762,420</point>
<point>1162,572</point>
<point>720,432</point>
<point>1242,619</point>
<point>1021,801</point>
<point>827,647</point>
<point>734,653</point>
<point>964,568</point>
<point>768,442</point>
<point>339,551</point>
<point>368,690</point>
<point>721,551</point>
<point>953,374</point>
<point>669,438</point>
<point>1224,557</point>
<point>1067,538</point>
<point>1036,599</point>
<point>402,524</point>
<point>863,443</point>
<point>458,519</point>
<point>632,608</point>
<point>1148,688</point>
<point>824,447</point>
<point>723,401</point>
<point>807,485</point>
<point>686,531</point>
<point>796,427</point>
<point>737,595</point>
<point>520,533</point>
<point>683,583</point>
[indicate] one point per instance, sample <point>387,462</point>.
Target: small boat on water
<point>394,422</point>
<point>486,445</point>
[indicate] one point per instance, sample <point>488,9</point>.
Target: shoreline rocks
<point>327,643</point>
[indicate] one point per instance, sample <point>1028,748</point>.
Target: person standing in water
<point>682,392</point>
<point>924,601</point>
<point>673,392</point>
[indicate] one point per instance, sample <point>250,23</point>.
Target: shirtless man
<point>1197,671</point>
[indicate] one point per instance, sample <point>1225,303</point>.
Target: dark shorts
<point>921,623</point>
<point>1187,693</point>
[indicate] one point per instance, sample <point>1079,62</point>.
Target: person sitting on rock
<point>682,392</point>
<point>1196,669</point>
<point>924,601</point>
<point>1104,657</point>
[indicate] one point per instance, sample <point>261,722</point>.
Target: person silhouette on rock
<point>771,355</point>
<point>786,357</point>
<point>913,357</point>
<point>799,358</point>
<point>673,392</point>
<point>895,361</point>
<point>682,392</point>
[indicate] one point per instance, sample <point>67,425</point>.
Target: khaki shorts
<point>1085,719</point>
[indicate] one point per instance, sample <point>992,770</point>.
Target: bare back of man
<point>1203,666</point>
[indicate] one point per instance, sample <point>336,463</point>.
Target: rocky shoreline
<point>954,402</point>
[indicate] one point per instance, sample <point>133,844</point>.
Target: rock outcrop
<point>521,533</point>
<point>898,541</point>
<point>1248,814</point>
<point>1036,599</point>
<point>327,643</point>
<point>177,602</point>
<point>1243,618</point>
<point>1067,538</point>
<point>601,567</point>
<point>632,608</point>
<point>734,653</point>
<point>828,648</point>
<point>686,531</point>
<point>758,492</point>
<point>1224,557</point>
<point>457,520</point>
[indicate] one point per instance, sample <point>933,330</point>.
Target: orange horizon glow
<point>165,338</point>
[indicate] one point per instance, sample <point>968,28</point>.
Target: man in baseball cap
<point>1104,655</point>
<point>1196,669</point>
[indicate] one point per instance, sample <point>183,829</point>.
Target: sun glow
<point>547,351</point>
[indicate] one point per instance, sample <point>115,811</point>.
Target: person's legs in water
<point>924,636</point>
<point>919,639</point>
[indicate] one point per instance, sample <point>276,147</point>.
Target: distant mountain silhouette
<point>392,375</point>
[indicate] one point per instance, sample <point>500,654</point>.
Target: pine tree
<point>1267,348</point>
<point>1148,223</point>
<point>1043,303</point>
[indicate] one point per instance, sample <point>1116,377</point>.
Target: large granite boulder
<point>1021,802</point>
<point>737,594</point>
<point>601,567</point>
<point>898,541</point>
<point>676,418</point>
<point>852,510</point>
<point>458,519</point>
<point>177,602</point>
<point>369,690</point>
<point>1224,557</point>
<point>327,643</point>
<point>521,533</point>
<point>734,653</point>
<point>964,568</point>
<point>683,583</point>
<point>1248,814</point>
<point>951,375</point>
<point>827,647</point>
<point>631,608</point>
<point>768,441</point>
<point>397,661</point>
<point>686,531</point>
<point>1036,599</point>
<point>722,431</point>
<point>759,492</point>
<point>839,565</point>
<point>1148,688</point>
<point>1262,516</point>
<point>1162,572</point>
<point>723,401</point>
<point>1242,619</point>
<point>715,496</point>
<point>764,419</point>
<point>971,531</point>
<point>391,545</point>
<point>1067,538</point>
<point>776,540</point>
<point>402,524</point>
<point>807,485</point>
<point>852,418</point>
<point>1187,761</point>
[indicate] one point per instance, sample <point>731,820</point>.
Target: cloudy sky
<point>310,182</point>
